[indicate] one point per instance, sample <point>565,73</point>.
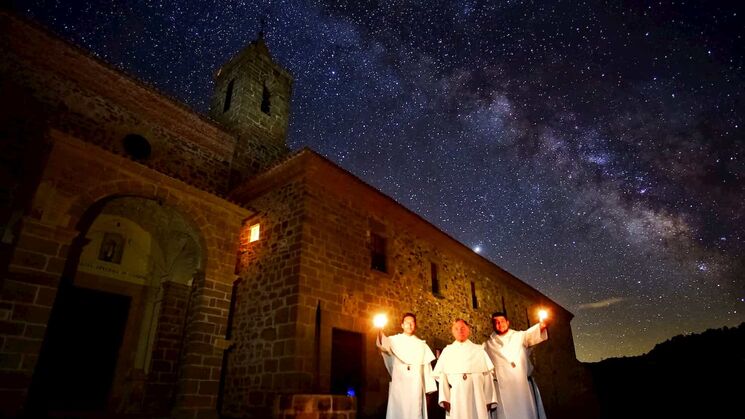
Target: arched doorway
<point>114,337</point>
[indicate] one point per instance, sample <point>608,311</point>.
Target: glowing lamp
<point>542,315</point>
<point>380,320</point>
<point>254,233</point>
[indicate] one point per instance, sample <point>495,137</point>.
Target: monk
<point>408,360</point>
<point>509,351</point>
<point>464,374</point>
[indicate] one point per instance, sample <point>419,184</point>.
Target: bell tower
<point>252,101</point>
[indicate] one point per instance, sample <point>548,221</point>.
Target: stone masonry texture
<point>316,253</point>
<point>250,335</point>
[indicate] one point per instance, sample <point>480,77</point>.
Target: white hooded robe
<point>518,397</point>
<point>464,373</point>
<point>408,360</point>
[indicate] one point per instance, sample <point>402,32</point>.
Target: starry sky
<point>593,149</point>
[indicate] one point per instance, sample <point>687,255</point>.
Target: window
<point>377,252</point>
<point>228,96</point>
<point>474,299</point>
<point>435,280</point>
<point>254,231</point>
<point>137,146</point>
<point>265,103</point>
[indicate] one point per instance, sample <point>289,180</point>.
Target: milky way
<point>594,150</point>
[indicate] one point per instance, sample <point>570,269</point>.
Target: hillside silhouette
<point>699,375</point>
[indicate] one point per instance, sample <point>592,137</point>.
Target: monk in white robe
<point>408,360</point>
<point>464,373</point>
<point>509,351</point>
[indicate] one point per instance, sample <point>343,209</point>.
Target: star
<point>498,119</point>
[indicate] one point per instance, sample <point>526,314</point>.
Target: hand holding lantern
<point>380,321</point>
<point>542,317</point>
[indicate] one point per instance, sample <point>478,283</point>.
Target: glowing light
<point>477,249</point>
<point>542,315</point>
<point>255,230</point>
<point>380,320</point>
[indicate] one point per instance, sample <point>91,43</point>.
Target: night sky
<point>594,150</point>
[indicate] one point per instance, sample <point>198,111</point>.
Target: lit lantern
<point>542,315</point>
<point>254,233</point>
<point>380,320</point>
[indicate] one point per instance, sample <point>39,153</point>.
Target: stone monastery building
<point>156,262</point>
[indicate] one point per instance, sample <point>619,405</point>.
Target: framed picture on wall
<point>112,247</point>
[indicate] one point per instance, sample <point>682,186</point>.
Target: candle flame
<point>380,320</point>
<point>542,315</point>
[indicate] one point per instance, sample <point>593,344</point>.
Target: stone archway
<point>77,183</point>
<point>140,256</point>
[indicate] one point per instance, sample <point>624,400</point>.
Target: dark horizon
<point>670,377</point>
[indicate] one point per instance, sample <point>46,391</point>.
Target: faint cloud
<point>600,304</point>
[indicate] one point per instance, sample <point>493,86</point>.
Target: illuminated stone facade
<point>114,192</point>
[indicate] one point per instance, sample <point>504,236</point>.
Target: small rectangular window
<point>254,232</point>
<point>434,278</point>
<point>377,252</point>
<point>228,96</point>
<point>266,101</point>
<point>474,299</point>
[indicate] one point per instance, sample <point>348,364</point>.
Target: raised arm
<point>535,335</point>
<point>383,342</point>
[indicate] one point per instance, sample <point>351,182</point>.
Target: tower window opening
<point>435,279</point>
<point>474,299</point>
<point>137,147</point>
<point>377,253</point>
<point>265,101</point>
<point>228,96</point>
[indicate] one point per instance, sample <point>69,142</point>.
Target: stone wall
<point>66,115</point>
<point>76,93</point>
<point>76,177</point>
<point>161,381</point>
<point>56,96</point>
<point>337,288</point>
<point>342,213</point>
<point>314,406</point>
<point>265,357</point>
<point>26,301</point>
<point>200,366</point>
